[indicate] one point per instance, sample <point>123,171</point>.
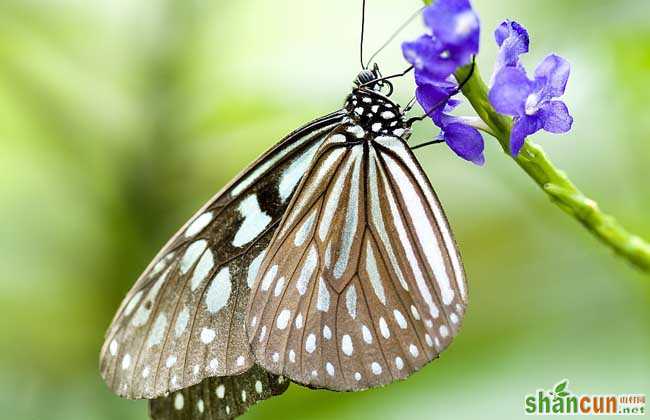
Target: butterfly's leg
<point>437,141</point>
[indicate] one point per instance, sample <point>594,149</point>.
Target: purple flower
<point>455,24</point>
<point>531,102</point>
<point>464,140</point>
<point>513,40</point>
<point>453,40</point>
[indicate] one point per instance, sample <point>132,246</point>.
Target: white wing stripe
<point>295,171</point>
<point>352,216</point>
<point>423,230</point>
<point>373,274</point>
<point>399,148</point>
<point>408,249</point>
<point>375,209</point>
<point>332,203</point>
<point>312,184</point>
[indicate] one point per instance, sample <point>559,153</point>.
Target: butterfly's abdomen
<point>376,114</point>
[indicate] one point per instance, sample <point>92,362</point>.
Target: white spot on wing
<point>307,270</point>
<point>279,287</point>
<point>207,335</point>
<point>346,345</point>
<point>367,335</point>
<point>444,331</point>
<point>399,318</point>
<point>254,268</point>
<point>142,314</point>
<point>323,302</point>
<point>310,343</point>
<point>255,221</point>
<point>181,321</point>
<point>202,269</point>
<point>126,361</point>
<point>219,291</point>
<point>376,368</point>
<point>294,173</point>
<point>329,368</point>
<point>327,333</point>
<point>198,224</point>
<point>305,229</point>
<point>269,277</point>
<point>171,361</point>
<point>179,401</point>
<point>351,301</point>
<point>283,319</point>
<point>221,391</point>
<point>158,330</point>
<point>373,274</point>
<point>383,327</point>
<point>132,303</point>
<point>192,253</point>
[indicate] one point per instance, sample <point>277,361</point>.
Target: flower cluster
<point>452,41</point>
<point>532,103</point>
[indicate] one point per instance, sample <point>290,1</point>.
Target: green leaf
<point>563,394</point>
<point>561,386</point>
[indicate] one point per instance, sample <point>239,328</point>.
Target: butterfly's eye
<point>365,77</point>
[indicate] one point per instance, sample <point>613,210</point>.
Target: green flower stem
<point>554,182</point>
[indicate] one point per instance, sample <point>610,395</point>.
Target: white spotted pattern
<point>202,269</point>
<point>383,327</point>
<point>323,302</point>
<point>192,253</point>
<point>283,319</point>
<point>351,301</point>
<point>219,292</point>
<point>255,221</point>
<point>310,343</point>
<point>346,345</point>
<point>198,224</point>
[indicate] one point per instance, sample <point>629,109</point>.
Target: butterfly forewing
<point>362,283</point>
<point>218,398</point>
<point>183,319</point>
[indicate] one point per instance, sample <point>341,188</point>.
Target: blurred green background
<point>120,118</point>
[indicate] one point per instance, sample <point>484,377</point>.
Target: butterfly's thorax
<point>376,113</point>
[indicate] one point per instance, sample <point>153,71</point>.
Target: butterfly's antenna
<point>397,32</point>
<point>363,28</point>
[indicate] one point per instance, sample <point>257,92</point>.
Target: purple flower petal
<point>432,99</point>
<point>513,40</point>
<point>465,141</point>
<point>522,128</point>
<point>556,117</point>
<point>425,77</point>
<point>553,73</point>
<point>510,90</point>
<point>456,26</point>
<point>426,55</point>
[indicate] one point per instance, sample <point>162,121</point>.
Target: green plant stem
<point>554,182</point>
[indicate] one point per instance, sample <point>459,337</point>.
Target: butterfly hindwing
<point>362,283</point>
<point>183,319</point>
<point>218,398</point>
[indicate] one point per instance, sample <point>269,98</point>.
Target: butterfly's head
<point>370,79</point>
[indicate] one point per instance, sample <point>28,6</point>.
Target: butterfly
<point>328,262</point>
